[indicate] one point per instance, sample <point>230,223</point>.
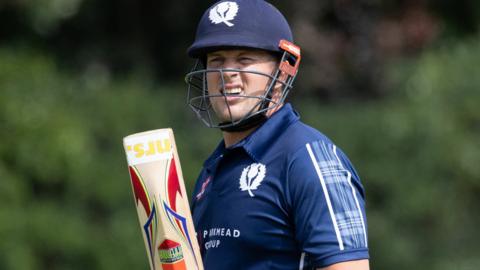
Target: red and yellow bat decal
<point>141,195</point>
<point>178,221</point>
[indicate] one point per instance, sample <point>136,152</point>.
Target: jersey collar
<point>257,143</point>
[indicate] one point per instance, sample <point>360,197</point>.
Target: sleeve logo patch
<point>223,13</point>
<point>251,178</point>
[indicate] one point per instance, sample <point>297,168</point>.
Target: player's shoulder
<point>299,135</point>
<point>307,144</point>
<point>311,150</point>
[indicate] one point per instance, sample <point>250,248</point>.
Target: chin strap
<point>246,124</point>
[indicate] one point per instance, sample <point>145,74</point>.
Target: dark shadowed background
<point>396,84</point>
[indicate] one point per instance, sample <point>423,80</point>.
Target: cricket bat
<point>161,201</point>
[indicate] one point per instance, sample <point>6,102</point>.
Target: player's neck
<point>231,138</point>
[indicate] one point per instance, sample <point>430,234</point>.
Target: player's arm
<point>351,265</point>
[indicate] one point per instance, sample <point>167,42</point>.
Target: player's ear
<point>283,76</point>
<point>281,80</point>
<point>279,85</point>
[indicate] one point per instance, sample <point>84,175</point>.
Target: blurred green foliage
<point>76,76</point>
<point>418,153</point>
<point>65,195</point>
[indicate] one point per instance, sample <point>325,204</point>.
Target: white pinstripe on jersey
<point>340,195</point>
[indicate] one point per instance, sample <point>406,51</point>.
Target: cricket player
<point>275,193</point>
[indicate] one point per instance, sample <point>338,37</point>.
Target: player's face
<point>229,95</point>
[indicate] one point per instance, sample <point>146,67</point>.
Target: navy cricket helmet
<point>245,24</point>
<point>241,23</point>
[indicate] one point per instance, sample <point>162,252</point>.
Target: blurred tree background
<point>395,83</point>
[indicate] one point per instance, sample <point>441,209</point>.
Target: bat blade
<point>161,201</point>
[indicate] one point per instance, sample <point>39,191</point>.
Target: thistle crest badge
<point>223,12</point>
<point>251,178</point>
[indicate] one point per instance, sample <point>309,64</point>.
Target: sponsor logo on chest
<point>204,187</point>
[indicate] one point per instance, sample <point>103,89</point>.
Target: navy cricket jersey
<point>285,197</point>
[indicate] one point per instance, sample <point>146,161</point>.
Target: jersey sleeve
<point>328,206</point>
